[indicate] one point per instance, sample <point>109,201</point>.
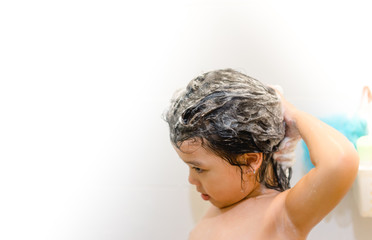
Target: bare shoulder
<point>278,221</point>
<point>263,217</point>
<point>276,224</point>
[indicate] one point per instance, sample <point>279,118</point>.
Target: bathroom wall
<point>84,151</point>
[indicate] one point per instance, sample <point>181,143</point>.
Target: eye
<point>198,170</point>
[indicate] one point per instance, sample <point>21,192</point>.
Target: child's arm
<point>336,165</point>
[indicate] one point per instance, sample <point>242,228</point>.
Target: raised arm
<point>336,165</point>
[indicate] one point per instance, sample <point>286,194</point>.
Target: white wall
<point>84,153</point>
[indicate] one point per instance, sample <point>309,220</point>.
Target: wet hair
<point>232,114</point>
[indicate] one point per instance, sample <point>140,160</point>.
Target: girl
<point>238,136</point>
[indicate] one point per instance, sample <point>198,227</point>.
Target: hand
<point>286,153</point>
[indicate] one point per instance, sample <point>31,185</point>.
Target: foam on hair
<point>232,112</point>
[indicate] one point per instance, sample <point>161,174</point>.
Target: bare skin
<point>251,211</point>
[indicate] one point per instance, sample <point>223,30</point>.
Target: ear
<point>252,160</point>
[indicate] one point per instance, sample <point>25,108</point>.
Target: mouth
<point>205,197</point>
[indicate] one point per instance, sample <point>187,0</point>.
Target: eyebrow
<point>196,163</point>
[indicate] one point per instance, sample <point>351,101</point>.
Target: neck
<point>259,191</point>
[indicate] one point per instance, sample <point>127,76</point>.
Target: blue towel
<point>351,127</point>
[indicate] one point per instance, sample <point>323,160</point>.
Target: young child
<point>238,136</point>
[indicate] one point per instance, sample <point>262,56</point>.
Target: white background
<point>84,152</point>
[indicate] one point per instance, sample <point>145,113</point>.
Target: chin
<point>221,205</point>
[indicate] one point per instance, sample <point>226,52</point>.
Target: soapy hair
<point>231,114</point>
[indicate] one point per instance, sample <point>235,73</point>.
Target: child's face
<point>217,180</point>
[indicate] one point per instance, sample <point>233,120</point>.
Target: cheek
<point>227,195</point>
<point>233,189</point>
<point>225,186</point>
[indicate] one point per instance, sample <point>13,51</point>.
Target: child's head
<point>231,114</point>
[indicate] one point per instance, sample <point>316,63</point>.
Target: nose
<point>192,179</point>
